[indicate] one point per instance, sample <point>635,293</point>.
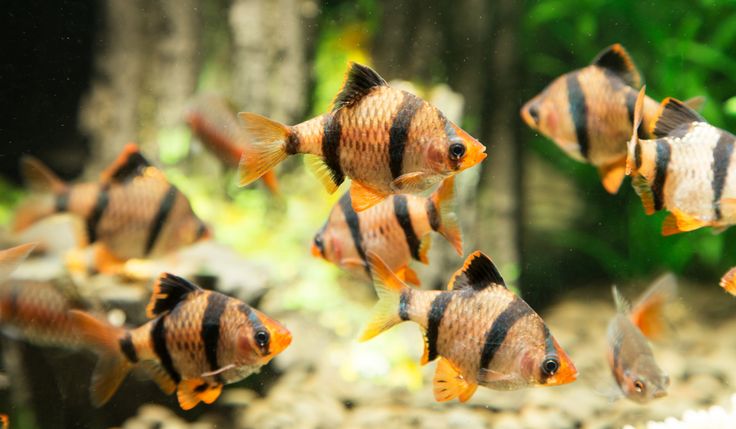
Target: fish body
<point>133,210</point>
<point>196,342</point>
<point>212,119</point>
<point>684,169</point>
<point>482,333</point>
<point>629,355</point>
<point>589,112</point>
<point>386,140</point>
<point>397,229</point>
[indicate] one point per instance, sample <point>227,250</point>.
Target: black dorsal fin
<point>168,291</point>
<point>359,80</point>
<point>673,114</point>
<point>129,164</point>
<point>478,272</point>
<point>617,60</point>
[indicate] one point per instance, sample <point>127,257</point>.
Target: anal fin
<point>677,222</point>
<point>327,176</point>
<point>195,390</point>
<point>612,175</point>
<point>449,384</point>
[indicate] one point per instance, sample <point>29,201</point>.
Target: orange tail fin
<point>648,313</point>
<point>443,200</point>
<point>266,146</point>
<point>112,366</point>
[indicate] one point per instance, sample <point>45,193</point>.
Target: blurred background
<point>80,79</point>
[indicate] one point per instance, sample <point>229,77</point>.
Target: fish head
<point>458,151</point>
<point>260,341</point>
<point>318,244</point>
<point>644,381</point>
<point>555,367</point>
<point>549,114</point>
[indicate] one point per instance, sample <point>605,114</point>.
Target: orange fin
<point>11,258</point>
<point>265,148</point>
<point>678,221</point>
<point>477,273</point>
<point>129,164</point>
<point>193,391</point>
<point>645,193</point>
<point>672,114</point>
<point>39,177</point>
<point>326,175</point>
<point>669,225</point>
<point>364,197</point>
<point>389,288</point>
<point>168,291</point>
<point>612,175</point>
<point>617,60</point>
<point>424,244</point>
<point>112,366</point>
<point>647,313</point>
<point>4,421</point>
<point>408,275</point>
<point>413,183</point>
<point>449,384</point>
<point>105,262</point>
<point>359,81</point>
<point>443,201</point>
<point>728,281</point>
<point>271,181</point>
<point>425,354</point>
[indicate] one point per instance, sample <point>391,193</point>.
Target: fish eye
<point>261,338</point>
<point>318,241</point>
<point>550,366</point>
<point>639,386</point>
<point>534,113</point>
<point>457,150</point>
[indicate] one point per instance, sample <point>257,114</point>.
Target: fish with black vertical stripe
<point>685,169</point>
<point>480,332</point>
<point>630,357</point>
<point>386,140</point>
<point>589,112</point>
<point>398,229</point>
<point>196,342</point>
<point>133,211</point>
<point>213,120</point>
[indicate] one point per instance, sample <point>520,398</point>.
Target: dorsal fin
<point>359,80</point>
<point>622,305</point>
<point>168,291</point>
<point>129,164</point>
<point>617,60</point>
<point>478,272</point>
<point>39,177</point>
<point>672,114</point>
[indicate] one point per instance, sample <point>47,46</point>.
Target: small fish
<point>397,229</point>
<point>212,119</point>
<point>684,168</point>
<point>728,281</point>
<point>482,332</point>
<point>629,354</point>
<point>386,140</point>
<point>589,112</point>
<point>197,342</point>
<point>132,212</point>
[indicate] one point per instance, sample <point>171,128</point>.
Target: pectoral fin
<point>364,197</point>
<point>408,275</point>
<point>413,182</point>
<point>450,384</point>
<point>193,391</point>
<point>612,175</point>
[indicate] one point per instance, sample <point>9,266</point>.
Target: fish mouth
<point>316,252</point>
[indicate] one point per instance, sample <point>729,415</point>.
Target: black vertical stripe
<point>99,209</point>
<point>164,208</point>
<point>549,351</point>
<point>401,210</point>
<point>399,132</point>
<point>721,161</point>
<point>631,97</point>
<point>433,215</point>
<point>662,162</point>
<point>404,303</point>
<point>128,349</point>
<point>637,155</point>
<point>436,312</point>
<point>496,335</point>
<point>255,324</point>
<point>62,201</point>
<point>578,112</point>
<point>331,146</point>
<point>353,221</point>
<point>292,143</point>
<point>158,339</point>
<point>210,332</point>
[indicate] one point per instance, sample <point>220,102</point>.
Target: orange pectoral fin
<point>413,182</point>
<point>612,176</point>
<point>449,384</point>
<point>364,197</point>
<point>193,391</point>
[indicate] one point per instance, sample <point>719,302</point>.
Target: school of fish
<point>395,148</point>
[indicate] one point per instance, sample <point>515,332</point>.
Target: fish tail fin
<point>266,146</point>
<point>648,312</point>
<point>389,289</point>
<point>728,281</point>
<point>11,258</point>
<point>112,366</point>
<point>443,204</point>
<point>39,177</point>
<point>633,144</point>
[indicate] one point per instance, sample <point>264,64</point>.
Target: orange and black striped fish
<point>197,342</point>
<point>386,140</point>
<point>132,212</point>
<point>212,119</point>
<point>685,168</point>
<point>397,229</point>
<point>728,281</point>
<point>589,112</point>
<point>629,354</point>
<point>501,344</point>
